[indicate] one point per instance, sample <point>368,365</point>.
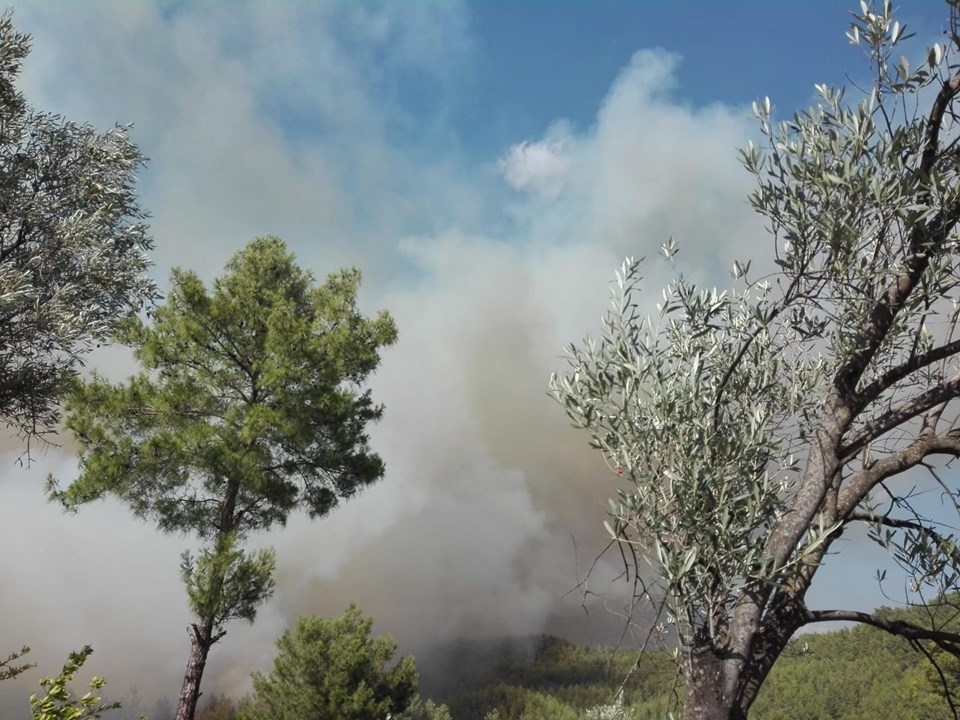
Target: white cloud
<point>539,166</point>
<point>259,117</point>
<point>650,168</point>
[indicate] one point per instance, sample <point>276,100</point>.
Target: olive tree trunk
<point>703,695</point>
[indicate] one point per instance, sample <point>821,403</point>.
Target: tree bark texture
<point>704,686</point>
<point>202,635</point>
<point>201,638</point>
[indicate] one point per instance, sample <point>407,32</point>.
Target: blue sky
<point>488,165</point>
<point>732,53</point>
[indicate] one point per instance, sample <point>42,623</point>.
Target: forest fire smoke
<point>488,490</point>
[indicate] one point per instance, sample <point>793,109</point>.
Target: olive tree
<point>249,405</point>
<point>73,245</point>
<point>73,250</point>
<point>754,427</point>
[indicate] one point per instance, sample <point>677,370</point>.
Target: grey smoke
<point>471,534</point>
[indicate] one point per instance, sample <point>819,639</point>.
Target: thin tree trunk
<point>201,638</point>
<point>201,634</point>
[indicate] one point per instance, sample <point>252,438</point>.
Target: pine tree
<point>248,405</point>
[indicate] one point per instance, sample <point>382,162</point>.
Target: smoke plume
<point>491,506</point>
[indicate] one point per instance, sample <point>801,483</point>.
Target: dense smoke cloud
<point>472,531</point>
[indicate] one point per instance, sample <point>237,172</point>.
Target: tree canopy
<point>332,669</point>
<point>753,427</point>
<point>73,245</point>
<point>73,258</point>
<point>249,405</point>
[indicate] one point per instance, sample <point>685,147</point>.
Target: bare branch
<point>944,545</point>
<point>898,523</point>
<point>872,391</point>
<point>859,485</point>
<point>893,418</point>
<point>948,91</point>
<point>8,668</point>
<point>945,640</point>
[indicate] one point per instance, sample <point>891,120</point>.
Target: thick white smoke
<point>472,531</point>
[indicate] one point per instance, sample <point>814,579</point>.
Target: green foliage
<point>225,583</point>
<point>567,680</point>
<point>648,391</point>
<point>248,406</point>
<point>922,694</point>
<point>865,672</point>
<point>845,674</point>
<point>219,707</point>
<point>420,710</point>
<point>58,702</point>
<point>612,711</point>
<point>331,669</point>
<point>510,702</point>
<point>73,245</point>
<point>843,353</point>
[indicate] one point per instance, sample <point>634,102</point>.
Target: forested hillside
<point>849,673</point>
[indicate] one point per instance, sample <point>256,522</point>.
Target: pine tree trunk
<point>704,687</point>
<point>201,634</point>
<point>201,638</point>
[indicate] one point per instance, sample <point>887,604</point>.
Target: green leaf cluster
<point>73,245</point>
<point>248,405</point>
<point>58,703</point>
<point>331,669</point>
<point>226,583</point>
<point>9,668</point>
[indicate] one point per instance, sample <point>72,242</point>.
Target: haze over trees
<point>846,674</point>
<point>248,406</point>
<point>754,427</point>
